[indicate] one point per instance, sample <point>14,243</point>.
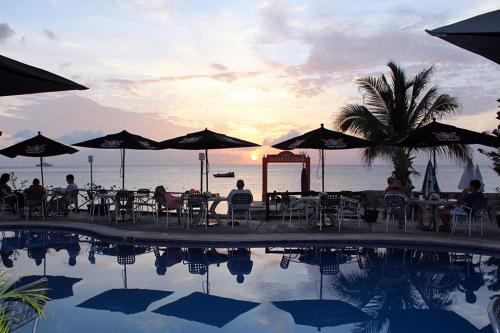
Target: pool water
<point>98,286</point>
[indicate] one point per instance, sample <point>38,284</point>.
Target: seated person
<point>36,188</point>
<point>63,195</point>
<point>240,184</point>
<point>469,199</point>
<point>12,198</point>
<point>169,201</point>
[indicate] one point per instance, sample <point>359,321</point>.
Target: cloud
<point>275,17</point>
<point>219,67</point>
<point>49,34</point>
<point>79,136</point>
<point>227,77</point>
<point>6,32</point>
<point>64,65</point>
<point>23,135</point>
<point>289,135</point>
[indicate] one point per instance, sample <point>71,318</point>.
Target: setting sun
<point>253,157</point>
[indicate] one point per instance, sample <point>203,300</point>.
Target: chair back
<point>395,200</point>
<point>197,200</point>
<point>241,201</point>
<point>124,199</point>
<point>285,199</point>
<point>330,200</point>
<point>144,191</point>
<point>33,198</point>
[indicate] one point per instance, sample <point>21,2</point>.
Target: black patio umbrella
<point>479,34</point>
<point>437,134</point>
<point>122,140</point>
<point>207,309</point>
<point>59,287</point>
<point>205,140</point>
<point>322,313</point>
<point>38,146</point>
<point>412,320</point>
<point>128,301</point>
<point>323,139</point>
<point>17,78</point>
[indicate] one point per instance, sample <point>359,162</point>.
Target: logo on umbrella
<point>296,144</point>
<point>332,143</point>
<point>190,140</point>
<point>35,149</point>
<point>145,144</point>
<point>447,136</point>
<point>111,144</point>
<point>231,140</point>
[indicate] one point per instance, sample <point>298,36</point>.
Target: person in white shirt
<point>64,194</point>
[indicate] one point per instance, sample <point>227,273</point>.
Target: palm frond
<point>377,97</point>
<point>419,83</point>
<point>356,119</point>
<point>443,105</point>
<point>419,114</point>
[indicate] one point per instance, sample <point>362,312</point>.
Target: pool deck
<point>262,233</point>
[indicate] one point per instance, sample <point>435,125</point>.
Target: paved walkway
<point>268,233</point>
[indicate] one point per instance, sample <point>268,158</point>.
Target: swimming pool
<point>99,286</point>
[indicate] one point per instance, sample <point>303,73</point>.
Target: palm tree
<point>32,295</point>
<point>396,106</point>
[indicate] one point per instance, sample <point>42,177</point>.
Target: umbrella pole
<point>201,176</point>
<point>206,167</point>
<point>322,170</point>
<point>123,167</point>
<point>41,168</point>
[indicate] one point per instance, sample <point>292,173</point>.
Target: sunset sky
<point>259,71</point>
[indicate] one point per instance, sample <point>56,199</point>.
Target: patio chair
<point>124,204</point>
<point>196,203</point>
<point>395,203</point>
<point>470,215</point>
<point>162,206</point>
<point>145,200</point>
<point>241,202</point>
<point>97,203</point>
<point>329,203</point>
<point>290,206</point>
<point>34,201</point>
<point>351,208</point>
<point>10,200</point>
<point>73,201</point>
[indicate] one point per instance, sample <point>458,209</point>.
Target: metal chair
<point>145,200</point>
<point>162,206</point>
<point>99,203</point>
<point>471,214</point>
<point>34,200</point>
<point>241,202</point>
<point>196,203</point>
<point>124,203</point>
<point>72,198</point>
<point>329,203</point>
<point>395,203</point>
<point>350,208</point>
<point>290,206</point>
<point>12,201</point>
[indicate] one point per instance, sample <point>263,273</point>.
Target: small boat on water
<point>44,164</point>
<point>227,175</point>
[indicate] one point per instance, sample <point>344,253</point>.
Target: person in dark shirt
<point>468,200</point>
<point>36,188</point>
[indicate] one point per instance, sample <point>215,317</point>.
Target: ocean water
<point>280,177</point>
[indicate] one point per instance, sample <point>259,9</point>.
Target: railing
<point>494,313</point>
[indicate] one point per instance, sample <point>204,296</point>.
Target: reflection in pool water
<point>105,287</point>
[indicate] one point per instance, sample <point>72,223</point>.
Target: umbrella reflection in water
<point>127,301</point>
<point>202,307</point>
